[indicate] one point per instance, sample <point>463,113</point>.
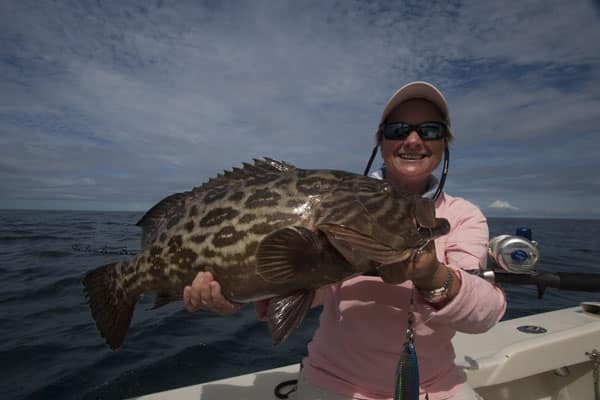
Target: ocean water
<point>50,348</point>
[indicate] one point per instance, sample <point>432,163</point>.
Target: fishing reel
<point>516,253</point>
<point>512,260</point>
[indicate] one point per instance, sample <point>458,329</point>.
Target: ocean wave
<point>50,253</point>
<point>130,224</point>
<point>51,290</point>
<point>59,311</point>
<point>84,227</point>
<point>17,378</point>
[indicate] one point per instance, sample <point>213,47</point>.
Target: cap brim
<point>417,90</point>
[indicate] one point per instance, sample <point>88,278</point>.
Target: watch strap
<point>440,294</point>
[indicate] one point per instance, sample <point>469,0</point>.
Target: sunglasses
<point>426,130</point>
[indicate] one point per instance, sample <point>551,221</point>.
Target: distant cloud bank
<point>503,205</point>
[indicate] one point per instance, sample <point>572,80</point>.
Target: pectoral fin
<point>286,253</point>
<point>358,248</point>
<point>286,313</point>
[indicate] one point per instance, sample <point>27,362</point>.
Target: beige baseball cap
<point>417,90</point>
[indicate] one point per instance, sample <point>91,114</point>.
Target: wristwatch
<point>438,295</point>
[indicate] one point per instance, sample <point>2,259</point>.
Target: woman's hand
<point>205,294</point>
<point>426,272</point>
<point>422,269</point>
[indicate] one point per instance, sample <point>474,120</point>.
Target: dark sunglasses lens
<point>432,131</point>
<point>427,130</point>
<point>396,131</point>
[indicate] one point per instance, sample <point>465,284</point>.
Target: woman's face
<point>411,161</point>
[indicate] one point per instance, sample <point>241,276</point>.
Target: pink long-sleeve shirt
<point>356,348</point>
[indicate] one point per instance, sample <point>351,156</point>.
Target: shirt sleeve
<point>479,305</point>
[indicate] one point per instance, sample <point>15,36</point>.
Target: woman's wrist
<point>442,286</point>
<point>434,280</point>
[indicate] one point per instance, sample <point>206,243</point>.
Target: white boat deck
<point>243,387</point>
<point>504,363</point>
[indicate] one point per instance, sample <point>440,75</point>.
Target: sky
<point>113,105</point>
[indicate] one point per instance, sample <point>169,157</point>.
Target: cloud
<point>502,205</point>
<point>126,102</point>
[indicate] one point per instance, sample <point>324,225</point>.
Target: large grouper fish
<point>265,231</point>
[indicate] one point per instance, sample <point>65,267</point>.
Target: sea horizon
<point>487,215</point>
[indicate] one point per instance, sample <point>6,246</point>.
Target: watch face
<point>435,296</point>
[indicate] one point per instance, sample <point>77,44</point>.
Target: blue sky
<point>113,105</point>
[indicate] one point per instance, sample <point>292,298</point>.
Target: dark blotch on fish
<point>235,197</point>
<point>247,218</point>
<point>228,236</point>
<point>184,257</point>
<point>174,220</point>
<point>209,253</point>
<point>175,243</point>
<point>261,228</point>
<point>198,239</point>
<point>218,216</point>
<point>215,195</point>
<point>263,198</point>
<point>155,251</point>
<point>189,226</point>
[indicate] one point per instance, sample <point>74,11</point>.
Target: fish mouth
<point>428,234</point>
<point>428,226</point>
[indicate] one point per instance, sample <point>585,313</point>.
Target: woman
<point>355,350</point>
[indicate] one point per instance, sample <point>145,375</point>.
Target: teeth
<point>412,156</point>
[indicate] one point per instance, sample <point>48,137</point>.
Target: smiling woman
<point>425,299</point>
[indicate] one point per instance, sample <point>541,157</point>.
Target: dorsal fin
<point>260,167</point>
<point>270,164</point>
<point>150,221</point>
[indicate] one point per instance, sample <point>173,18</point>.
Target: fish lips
<point>426,220</point>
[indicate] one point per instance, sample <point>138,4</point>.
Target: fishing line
<point>440,187</point>
<point>407,372</point>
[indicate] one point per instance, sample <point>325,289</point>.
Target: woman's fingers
<point>203,280</point>
<point>205,293</point>
<point>187,299</point>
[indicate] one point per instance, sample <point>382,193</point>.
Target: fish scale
<point>267,230</point>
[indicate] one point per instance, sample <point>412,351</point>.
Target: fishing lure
<point>407,371</point>
<point>595,357</point>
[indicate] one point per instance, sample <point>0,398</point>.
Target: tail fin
<point>111,305</point>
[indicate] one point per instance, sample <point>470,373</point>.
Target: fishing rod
<point>578,281</point>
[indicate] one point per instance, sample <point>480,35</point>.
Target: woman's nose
<point>413,137</point>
